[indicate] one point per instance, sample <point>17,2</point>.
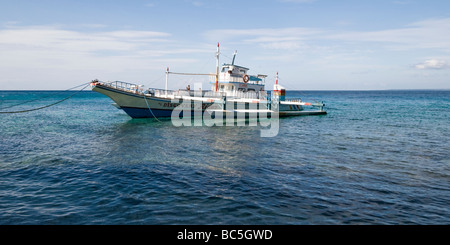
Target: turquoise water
<point>378,157</point>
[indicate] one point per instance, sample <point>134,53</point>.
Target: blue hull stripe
<point>144,113</point>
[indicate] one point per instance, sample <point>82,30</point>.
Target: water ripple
<point>376,158</point>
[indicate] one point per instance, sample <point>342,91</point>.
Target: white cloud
<point>197,3</point>
<point>266,38</point>
<point>40,57</point>
<point>371,56</point>
<point>281,45</point>
<point>427,34</point>
<point>39,54</point>
<point>54,39</point>
<point>262,32</point>
<point>61,50</point>
<point>433,34</point>
<point>432,64</point>
<point>401,2</point>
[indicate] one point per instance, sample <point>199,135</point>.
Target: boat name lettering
<point>184,105</point>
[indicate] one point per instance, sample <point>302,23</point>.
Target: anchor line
<point>41,98</point>
<point>43,107</point>
<point>149,108</point>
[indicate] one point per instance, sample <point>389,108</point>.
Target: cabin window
<point>225,69</point>
<point>221,86</point>
<point>251,89</point>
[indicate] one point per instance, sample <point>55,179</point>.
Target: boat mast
<point>167,79</point>
<point>217,66</point>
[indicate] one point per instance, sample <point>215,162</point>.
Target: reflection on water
<point>219,148</point>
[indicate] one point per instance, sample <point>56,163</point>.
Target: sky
<point>313,44</point>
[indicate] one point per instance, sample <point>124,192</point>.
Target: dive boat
<point>233,92</point>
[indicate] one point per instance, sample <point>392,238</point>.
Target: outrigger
<point>233,91</point>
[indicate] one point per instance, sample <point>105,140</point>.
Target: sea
<point>376,158</point>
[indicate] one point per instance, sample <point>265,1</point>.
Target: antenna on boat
<point>217,64</point>
<point>234,56</point>
<point>277,79</point>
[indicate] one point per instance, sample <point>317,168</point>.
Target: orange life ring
<point>246,78</point>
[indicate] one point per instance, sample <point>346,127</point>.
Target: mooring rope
<point>43,107</point>
<point>41,98</point>
<point>149,108</point>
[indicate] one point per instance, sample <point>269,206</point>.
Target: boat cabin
<point>233,78</point>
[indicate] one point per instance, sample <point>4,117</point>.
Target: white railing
<point>230,78</point>
<point>248,94</point>
<point>184,93</point>
<point>124,86</point>
<point>137,89</point>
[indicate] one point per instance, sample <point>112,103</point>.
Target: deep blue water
<point>378,157</point>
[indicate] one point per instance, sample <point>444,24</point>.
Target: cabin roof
<point>241,67</point>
